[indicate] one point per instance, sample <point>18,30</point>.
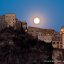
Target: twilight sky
<point>50,12</point>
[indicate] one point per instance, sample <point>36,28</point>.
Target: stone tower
<point>10,19</point>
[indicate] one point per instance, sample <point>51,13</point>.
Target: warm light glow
<point>36,20</point>
<point>62,30</point>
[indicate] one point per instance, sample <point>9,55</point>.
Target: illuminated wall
<point>10,19</point>
<point>62,34</point>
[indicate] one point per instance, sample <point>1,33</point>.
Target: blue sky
<point>51,10</point>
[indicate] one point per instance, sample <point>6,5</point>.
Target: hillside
<point>18,47</point>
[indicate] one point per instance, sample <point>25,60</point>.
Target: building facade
<point>24,25</point>
<point>48,35</point>
<point>57,41</point>
<point>18,24</point>
<point>10,20</point>
<point>7,20</point>
<point>42,34</point>
<point>21,24</point>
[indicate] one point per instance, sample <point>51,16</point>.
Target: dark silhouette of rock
<point>18,47</point>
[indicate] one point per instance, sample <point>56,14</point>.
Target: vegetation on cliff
<point>18,47</point>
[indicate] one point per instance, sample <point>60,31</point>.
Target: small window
<point>60,42</point>
<point>53,42</point>
<point>57,42</point>
<point>13,22</point>
<point>13,19</point>
<point>60,46</point>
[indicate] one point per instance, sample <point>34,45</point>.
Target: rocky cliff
<point>18,47</point>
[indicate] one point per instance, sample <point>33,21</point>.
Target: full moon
<point>36,20</point>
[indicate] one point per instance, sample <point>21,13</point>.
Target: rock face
<point>18,47</point>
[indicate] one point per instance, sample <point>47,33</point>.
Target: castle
<point>10,20</point>
<point>47,35</point>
